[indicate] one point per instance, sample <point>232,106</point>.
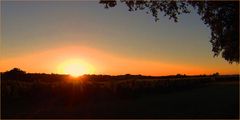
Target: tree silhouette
<point>221,17</point>
<point>15,74</point>
<point>16,71</point>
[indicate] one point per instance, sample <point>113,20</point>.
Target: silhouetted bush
<point>14,74</point>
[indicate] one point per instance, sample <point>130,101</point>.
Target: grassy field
<point>128,97</point>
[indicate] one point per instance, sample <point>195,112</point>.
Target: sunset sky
<point>46,36</point>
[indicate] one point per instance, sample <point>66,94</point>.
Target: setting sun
<point>75,67</point>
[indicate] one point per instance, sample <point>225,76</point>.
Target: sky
<point>42,36</point>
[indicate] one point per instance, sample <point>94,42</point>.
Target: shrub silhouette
<point>14,74</point>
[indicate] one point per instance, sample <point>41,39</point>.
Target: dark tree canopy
<point>15,71</point>
<point>13,74</point>
<point>221,17</point>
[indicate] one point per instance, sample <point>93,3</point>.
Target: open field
<point>119,59</point>
<point>125,97</point>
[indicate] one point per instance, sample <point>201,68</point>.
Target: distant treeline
<point>18,74</point>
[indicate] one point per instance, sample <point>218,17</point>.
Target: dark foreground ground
<point>218,99</point>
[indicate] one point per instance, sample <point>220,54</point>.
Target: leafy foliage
<point>221,17</point>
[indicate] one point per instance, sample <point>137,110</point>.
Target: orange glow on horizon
<point>75,68</point>
<point>79,60</point>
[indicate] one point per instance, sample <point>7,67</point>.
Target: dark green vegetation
<point>125,96</point>
<point>222,17</point>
